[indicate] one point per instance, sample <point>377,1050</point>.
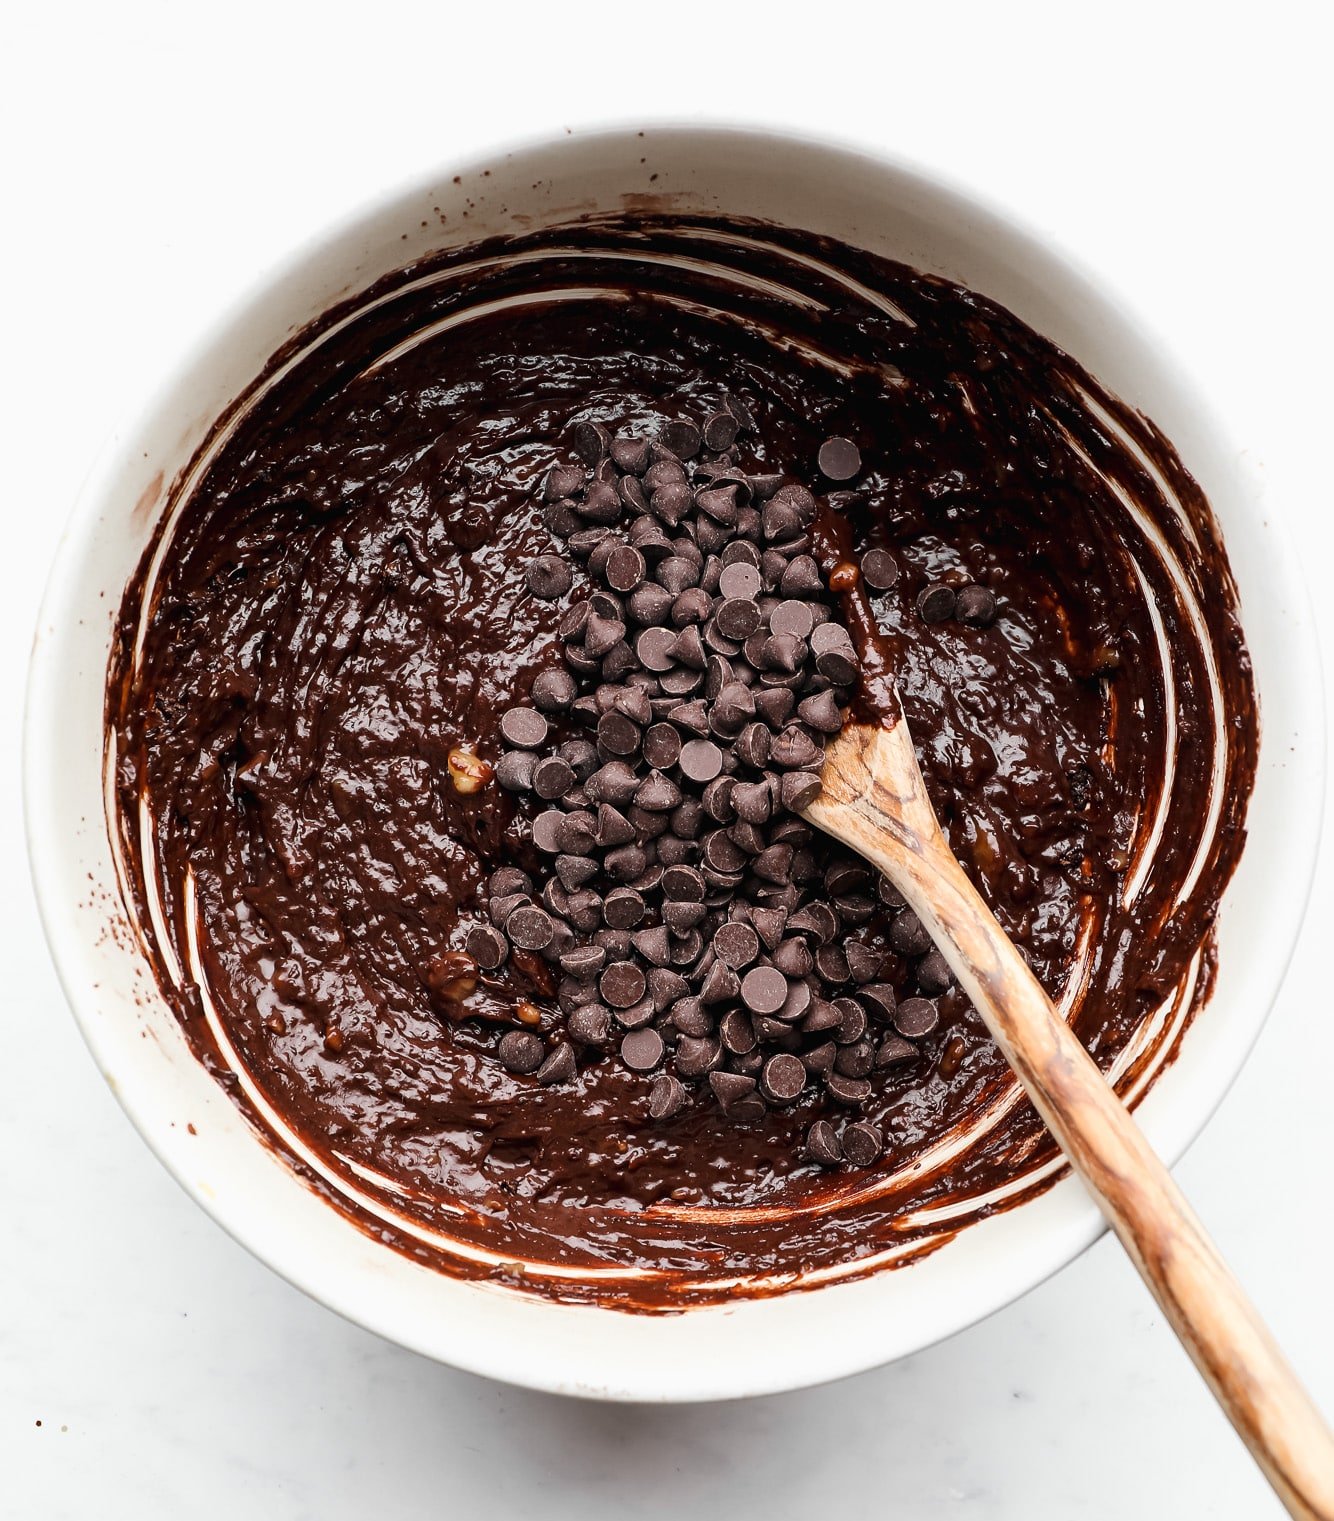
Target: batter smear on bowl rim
<point>462,710</point>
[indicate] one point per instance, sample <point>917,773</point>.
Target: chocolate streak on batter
<point>342,601</point>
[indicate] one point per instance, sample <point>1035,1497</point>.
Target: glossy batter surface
<point>341,600</point>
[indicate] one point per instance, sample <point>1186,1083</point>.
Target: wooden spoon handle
<point>1203,1301</point>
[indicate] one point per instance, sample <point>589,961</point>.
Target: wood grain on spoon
<point>875,801</point>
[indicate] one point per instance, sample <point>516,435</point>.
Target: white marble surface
<point>158,155</point>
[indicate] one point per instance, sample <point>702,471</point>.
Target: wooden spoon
<point>874,800</point>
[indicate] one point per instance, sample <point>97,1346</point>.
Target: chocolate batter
<point>338,600</point>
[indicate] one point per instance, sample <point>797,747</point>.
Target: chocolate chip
<point>562,481</point>
<point>683,438</point>
<point>830,636</point>
<point>666,469</point>
<point>653,944</point>
<point>602,634</point>
<point>879,998</point>
<point>670,502</point>
<point>863,1144</point>
<point>514,770</point>
<point>521,1051</point>
<point>601,504</point>
<point>630,454</point>
<point>487,947</point>
<point>662,746</point>
<point>729,1088</point>
<point>625,568</point>
<point>769,924</point>
<point>795,750</point>
<point>693,606</point>
<point>816,919</point>
<point>590,1025</point>
<point>736,945</point>
<point>653,648</point>
<point>793,957</point>
<point>847,1090</point>
<point>720,985</point>
<point>503,905</point>
<point>933,973</point>
<point>623,908</point>
<point>800,577</point>
<point>622,984</point>
<point>553,691</point>
<point>687,649</point>
<point>740,580</point>
<point>529,929</point>
<point>657,793</point>
<point>615,782</point>
<point>649,605</point>
<point>839,459</point>
<point>722,854</point>
<point>619,735</point>
<point>797,1003</point>
<point>548,577</point>
<point>667,1097</point>
<point>583,961</point>
<point>701,760</point>
<point>747,837</point>
<point>792,617</point>
<point>764,990</point>
<point>524,728</point>
<point>735,620</point>
<point>666,988</point>
<point>642,1049</point>
<point>717,797</point>
<point>915,1017</point>
<point>688,820</point>
<point>683,883</point>
<point>696,1056</point>
<point>720,430</point>
<point>855,1060</point>
<point>820,1019</point>
<point>782,1079</point>
<point>681,682</point>
<point>864,961</point>
<point>590,441</point>
<point>691,1018</point>
<point>576,834</point>
<point>908,935</point>
<point>733,709</point>
<point>552,778</point>
<point>637,1015</point>
<point>798,789</point>
<point>821,711</point>
<point>736,1032</point>
<point>720,505</point>
<point>752,802</point>
<point>753,744</point>
<point>854,908</point>
<point>559,1067</point>
<point>936,602</point>
<point>839,665</point>
<point>894,1052</point>
<point>975,605</point>
<point>880,570</point>
<point>682,917</point>
<point>822,1144</point>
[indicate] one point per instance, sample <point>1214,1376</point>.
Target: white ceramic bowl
<point>748,1346</point>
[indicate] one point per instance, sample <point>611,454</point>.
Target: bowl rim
<point>1064,1238</point>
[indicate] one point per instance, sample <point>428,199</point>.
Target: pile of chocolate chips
<point>698,934</point>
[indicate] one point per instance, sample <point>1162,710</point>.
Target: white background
<point>155,160</point>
